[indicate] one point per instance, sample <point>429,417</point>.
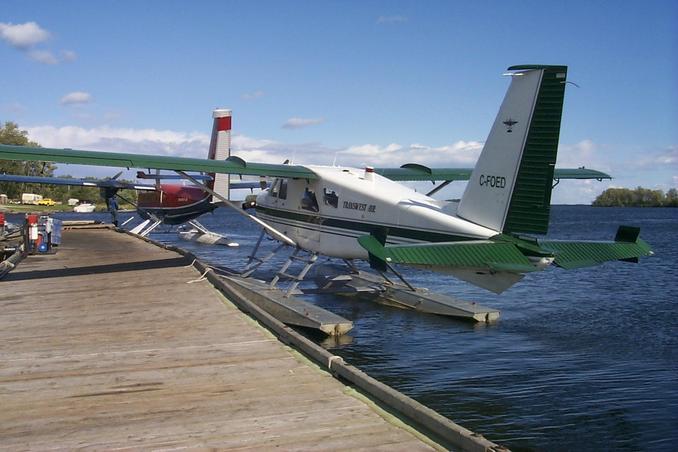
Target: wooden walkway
<point>104,345</point>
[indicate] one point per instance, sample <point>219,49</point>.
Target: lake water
<point>579,360</point>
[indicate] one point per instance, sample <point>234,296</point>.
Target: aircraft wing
<point>416,172</point>
<point>627,246</point>
<point>579,173</point>
<point>232,165</point>
<point>201,177</point>
<point>509,253</point>
<point>492,255</point>
<point>236,165</point>
<point>103,183</point>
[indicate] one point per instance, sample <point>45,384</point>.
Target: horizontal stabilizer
<point>480,254</point>
<point>627,247</point>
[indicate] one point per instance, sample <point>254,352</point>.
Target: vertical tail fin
<point>510,187</point>
<point>220,149</point>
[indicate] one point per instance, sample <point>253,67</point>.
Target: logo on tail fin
<point>509,123</point>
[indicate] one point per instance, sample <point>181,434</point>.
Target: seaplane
<point>166,203</point>
<point>492,237</point>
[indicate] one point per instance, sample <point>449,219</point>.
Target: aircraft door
<point>309,225</point>
<point>274,192</point>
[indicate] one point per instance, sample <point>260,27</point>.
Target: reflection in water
<point>330,342</point>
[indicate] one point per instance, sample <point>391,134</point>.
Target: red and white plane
<point>170,203</point>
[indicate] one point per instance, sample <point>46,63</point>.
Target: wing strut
<point>442,185</point>
<point>274,232</point>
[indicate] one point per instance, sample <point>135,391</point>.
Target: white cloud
<point>23,36</point>
<point>578,191</point>
<point>175,143</point>
<point>657,160</point>
<point>575,155</point>
<point>461,153</point>
<point>76,97</point>
<point>68,55</point>
<point>195,144</point>
<point>298,123</point>
<point>122,139</point>
<point>371,150</point>
<point>253,95</point>
<point>391,19</point>
<point>270,151</point>
<point>43,56</point>
<point>244,142</point>
<point>668,157</point>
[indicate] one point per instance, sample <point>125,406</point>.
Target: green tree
<point>638,197</point>
<point>11,134</point>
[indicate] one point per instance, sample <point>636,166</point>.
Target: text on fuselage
<point>362,207</point>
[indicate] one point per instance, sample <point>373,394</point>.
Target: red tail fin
<point>220,149</point>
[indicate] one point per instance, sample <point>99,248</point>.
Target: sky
<point>378,83</point>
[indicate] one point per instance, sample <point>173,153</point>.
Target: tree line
<point>12,135</point>
<point>638,197</point>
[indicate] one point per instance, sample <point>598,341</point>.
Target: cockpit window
<point>309,201</point>
<point>330,198</point>
<point>282,194</point>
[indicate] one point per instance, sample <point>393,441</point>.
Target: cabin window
<point>309,201</point>
<point>330,198</point>
<point>275,188</point>
<point>282,194</point>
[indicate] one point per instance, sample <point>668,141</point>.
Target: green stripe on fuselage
<point>369,228</point>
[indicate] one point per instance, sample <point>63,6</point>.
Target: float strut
<point>401,278</point>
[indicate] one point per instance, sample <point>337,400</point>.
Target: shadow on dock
<point>98,269</point>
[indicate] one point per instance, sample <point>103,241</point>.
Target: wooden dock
<point>105,345</point>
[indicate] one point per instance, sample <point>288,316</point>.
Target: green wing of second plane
<point>416,172</point>
<point>233,165</point>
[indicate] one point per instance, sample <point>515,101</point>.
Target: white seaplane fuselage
<point>328,214</point>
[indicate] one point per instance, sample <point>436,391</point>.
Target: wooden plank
<point>105,345</point>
